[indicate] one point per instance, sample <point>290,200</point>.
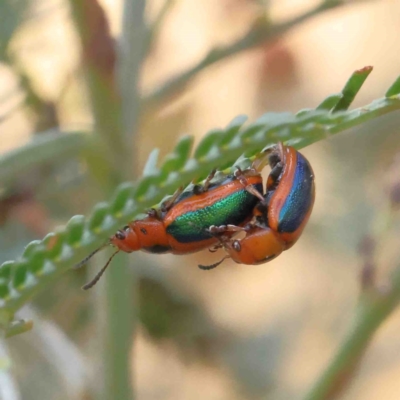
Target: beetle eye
<point>236,245</point>
<point>120,235</point>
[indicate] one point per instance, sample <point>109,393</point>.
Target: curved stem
<point>47,147</point>
<point>373,309</point>
<point>116,114</point>
<point>261,32</point>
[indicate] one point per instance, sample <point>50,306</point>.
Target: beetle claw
<point>212,266</point>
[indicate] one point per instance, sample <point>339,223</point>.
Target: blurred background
<point>238,332</point>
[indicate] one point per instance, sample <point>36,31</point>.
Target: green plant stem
<point>99,69</point>
<point>131,52</point>
<point>261,32</point>
<point>155,27</point>
<point>119,330</point>
<point>119,294</point>
<point>116,114</point>
<point>373,309</point>
<point>12,110</point>
<point>8,384</point>
<point>47,147</point>
<point>17,327</point>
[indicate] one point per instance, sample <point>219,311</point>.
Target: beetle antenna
<point>212,266</point>
<point>86,259</point>
<point>90,284</point>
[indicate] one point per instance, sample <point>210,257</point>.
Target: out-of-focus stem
<point>8,385</point>
<point>261,32</point>
<point>154,29</point>
<point>99,59</point>
<point>116,115</point>
<point>47,147</point>
<point>120,293</point>
<point>373,309</point>
<point>131,53</point>
<point>120,316</point>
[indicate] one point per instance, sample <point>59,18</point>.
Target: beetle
<point>180,225</point>
<point>279,217</point>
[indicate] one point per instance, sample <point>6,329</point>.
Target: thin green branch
<point>12,110</point>
<point>121,303</point>
<point>119,294</point>
<point>158,22</point>
<point>18,326</point>
<point>8,385</point>
<point>131,52</point>
<point>373,309</point>
<point>10,94</point>
<point>375,304</point>
<point>116,113</point>
<point>99,59</point>
<point>261,32</point>
<point>46,147</point>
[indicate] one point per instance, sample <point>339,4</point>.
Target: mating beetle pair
<point>210,214</point>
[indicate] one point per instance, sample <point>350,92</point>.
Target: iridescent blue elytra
<point>298,202</point>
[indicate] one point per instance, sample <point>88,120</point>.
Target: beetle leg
<point>257,223</point>
<point>219,232</point>
<point>208,180</point>
<point>213,229</point>
<point>199,189</point>
<point>215,248</point>
<point>167,205</point>
<point>152,213</point>
<point>274,176</point>
<point>212,266</point>
<point>262,159</point>
<point>270,156</point>
<point>274,157</point>
<point>250,188</point>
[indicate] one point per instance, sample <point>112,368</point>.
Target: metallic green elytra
<point>228,203</point>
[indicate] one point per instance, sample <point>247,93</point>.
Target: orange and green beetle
<point>180,225</point>
<point>279,217</point>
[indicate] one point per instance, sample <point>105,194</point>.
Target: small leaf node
<point>208,143</point>
<point>20,274</point>
<point>124,192</point>
<point>100,212</point>
<point>150,168</point>
<point>75,228</point>
<point>232,130</point>
<point>5,270</point>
